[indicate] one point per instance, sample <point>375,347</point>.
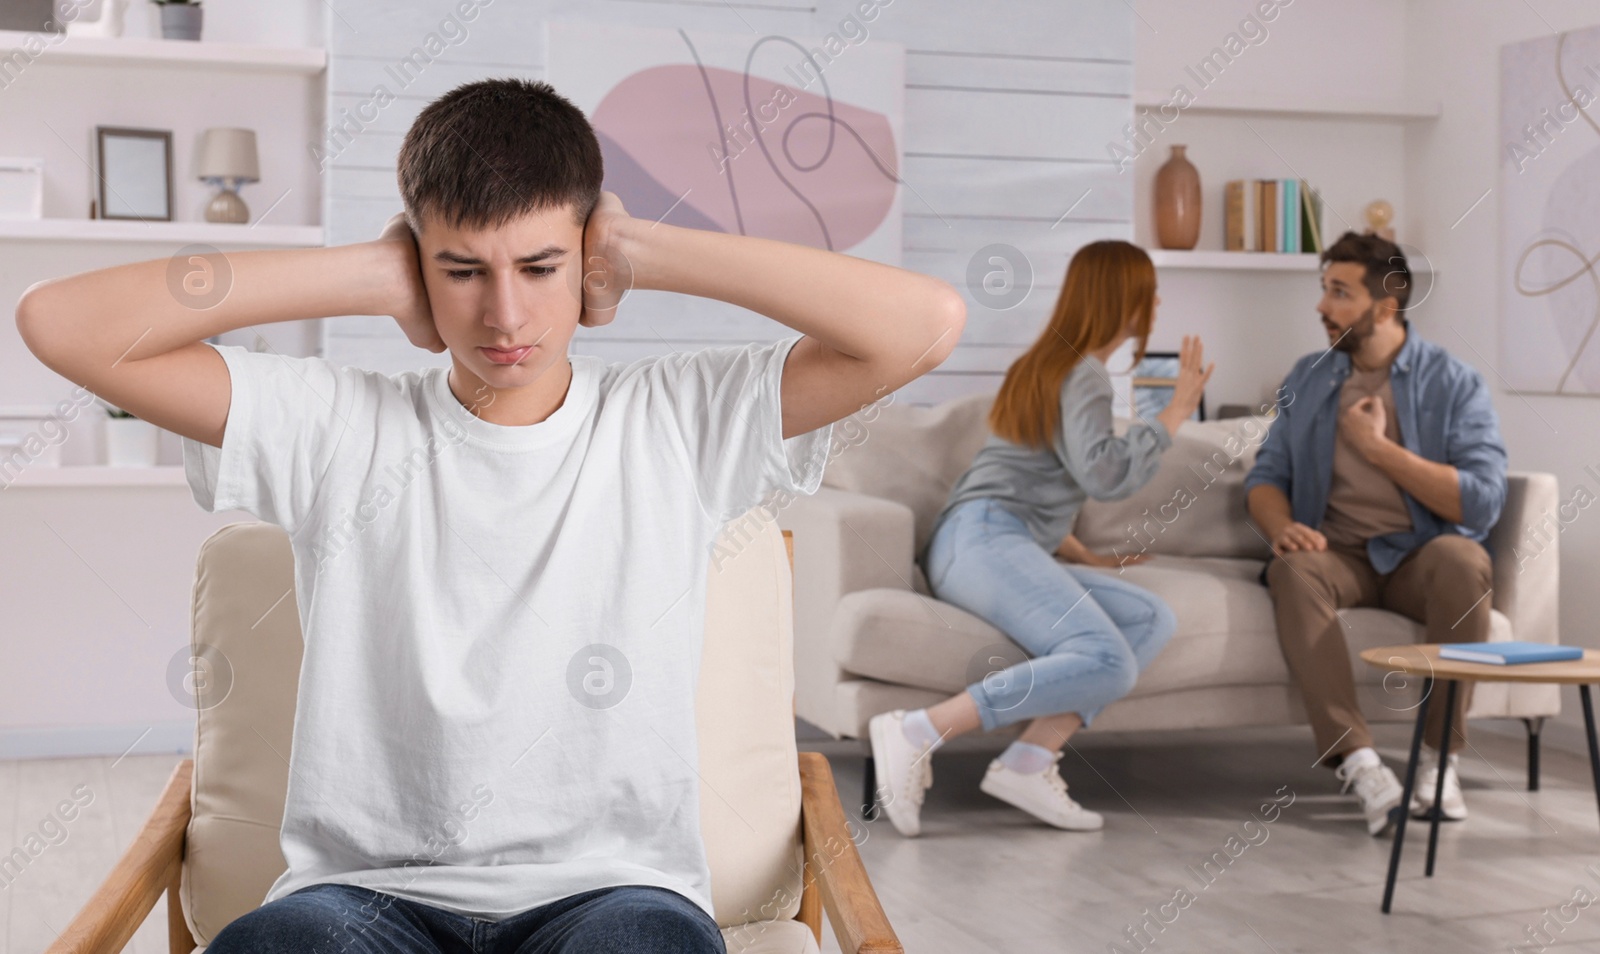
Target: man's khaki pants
<point>1443,584</point>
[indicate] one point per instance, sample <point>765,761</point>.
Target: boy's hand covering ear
<point>605,272</point>
<point>410,306</point>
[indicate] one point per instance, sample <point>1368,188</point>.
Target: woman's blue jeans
<point>342,918</point>
<point>1089,632</point>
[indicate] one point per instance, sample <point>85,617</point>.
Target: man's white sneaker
<point>1455,807</point>
<point>1041,794</point>
<point>1378,790</point>
<point>904,771</point>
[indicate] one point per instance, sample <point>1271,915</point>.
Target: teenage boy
<point>1377,484</point>
<point>500,565</point>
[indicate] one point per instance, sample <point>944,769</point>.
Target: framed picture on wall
<point>135,173</point>
<point>1154,379</point>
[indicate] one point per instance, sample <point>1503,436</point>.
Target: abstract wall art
<point>1550,214</point>
<point>791,138</point>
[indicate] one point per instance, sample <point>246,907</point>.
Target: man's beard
<point>1351,339</point>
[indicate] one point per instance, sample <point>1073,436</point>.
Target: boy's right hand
<point>410,307</point>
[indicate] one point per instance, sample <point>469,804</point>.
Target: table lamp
<point>227,161</point>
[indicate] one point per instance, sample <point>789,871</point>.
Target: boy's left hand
<point>605,273</point>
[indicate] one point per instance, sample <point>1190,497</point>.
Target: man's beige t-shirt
<point>1363,502</point>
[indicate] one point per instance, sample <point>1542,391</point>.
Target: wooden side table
<point>1423,660</point>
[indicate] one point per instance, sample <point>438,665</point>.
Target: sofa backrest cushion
<point>910,453</point>
<point>1195,503</point>
<point>1193,506</point>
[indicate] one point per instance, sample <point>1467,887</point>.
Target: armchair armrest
<point>834,866</point>
<point>152,864</point>
<point>1526,557</point>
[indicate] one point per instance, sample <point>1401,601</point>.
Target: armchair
<point>777,840</point>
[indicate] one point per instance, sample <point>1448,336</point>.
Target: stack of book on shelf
<point>1272,215</point>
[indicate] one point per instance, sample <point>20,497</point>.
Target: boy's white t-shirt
<point>502,624</point>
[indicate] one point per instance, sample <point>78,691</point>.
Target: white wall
<point>1255,324</point>
<point>96,582</point>
<point>1006,117</point>
<point>1454,56</point>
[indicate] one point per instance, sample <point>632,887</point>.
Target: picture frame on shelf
<point>1154,379</point>
<point>133,173</point>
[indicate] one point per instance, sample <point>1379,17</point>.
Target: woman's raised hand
<point>1191,386</point>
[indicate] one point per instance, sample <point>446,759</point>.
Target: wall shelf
<point>1247,261</point>
<point>1242,261</point>
<point>119,230</point>
<point>1267,104</point>
<point>138,51</point>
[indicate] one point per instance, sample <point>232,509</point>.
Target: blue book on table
<point>1508,653</point>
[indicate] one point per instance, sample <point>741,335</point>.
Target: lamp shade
<point>228,154</point>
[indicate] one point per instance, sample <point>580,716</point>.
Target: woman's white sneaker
<point>904,771</point>
<point>1040,794</point>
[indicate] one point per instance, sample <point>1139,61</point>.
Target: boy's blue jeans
<point>1089,632</point>
<point>346,919</point>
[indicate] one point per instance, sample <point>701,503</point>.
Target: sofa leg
<point>1535,725</point>
<point>869,785</point>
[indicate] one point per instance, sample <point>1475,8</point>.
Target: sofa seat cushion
<point>1227,632</point>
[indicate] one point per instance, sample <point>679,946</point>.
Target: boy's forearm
<point>858,307</point>
<point>142,309</point>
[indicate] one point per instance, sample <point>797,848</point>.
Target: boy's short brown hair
<point>493,150</point>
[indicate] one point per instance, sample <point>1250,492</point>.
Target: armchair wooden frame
<point>834,877</point>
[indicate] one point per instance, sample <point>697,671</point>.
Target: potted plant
<point>130,442</point>
<point>180,19</point>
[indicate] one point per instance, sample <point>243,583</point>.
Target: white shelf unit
<point>1267,104</point>
<point>77,82</point>
<point>1255,311</point>
<point>121,230</point>
<point>138,51</point>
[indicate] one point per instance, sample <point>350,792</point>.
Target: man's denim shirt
<point>1445,415</point>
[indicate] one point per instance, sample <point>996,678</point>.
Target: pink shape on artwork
<point>769,170</point>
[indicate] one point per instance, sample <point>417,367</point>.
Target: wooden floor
<point>985,877</point>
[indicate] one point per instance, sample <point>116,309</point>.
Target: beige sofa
<point>869,638</point>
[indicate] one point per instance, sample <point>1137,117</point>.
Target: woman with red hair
<point>995,546</point>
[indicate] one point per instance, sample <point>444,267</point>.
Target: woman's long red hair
<point>1107,283</point>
